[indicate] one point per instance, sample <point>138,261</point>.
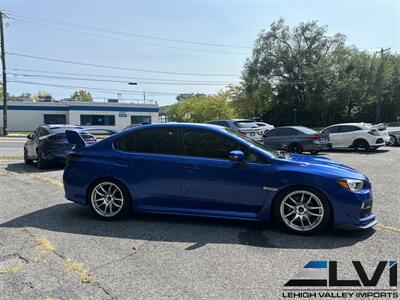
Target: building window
<point>106,120</point>
<point>55,119</point>
<point>140,119</point>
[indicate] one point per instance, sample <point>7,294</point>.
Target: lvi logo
<point>324,273</point>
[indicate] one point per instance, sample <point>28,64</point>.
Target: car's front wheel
<point>302,211</point>
<point>27,160</point>
<point>109,200</point>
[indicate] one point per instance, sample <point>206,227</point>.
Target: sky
<point>166,47</point>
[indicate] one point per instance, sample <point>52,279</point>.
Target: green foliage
<point>303,69</point>
<point>41,94</point>
<point>82,95</point>
<point>200,108</point>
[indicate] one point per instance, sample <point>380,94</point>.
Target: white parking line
<point>19,148</point>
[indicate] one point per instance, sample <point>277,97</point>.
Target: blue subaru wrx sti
<point>207,170</point>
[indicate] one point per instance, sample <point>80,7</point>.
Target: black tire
<point>321,222</point>
<point>295,148</point>
<point>126,202</point>
<point>26,158</point>
<point>361,145</point>
<point>393,141</point>
<point>41,163</point>
<point>314,152</point>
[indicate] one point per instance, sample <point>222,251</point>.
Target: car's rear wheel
<point>109,200</point>
<point>26,157</point>
<point>302,211</point>
<point>361,145</point>
<point>393,141</point>
<point>295,148</point>
<point>41,163</point>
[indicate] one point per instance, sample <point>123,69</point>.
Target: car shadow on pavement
<point>371,152</point>
<point>32,168</point>
<point>75,219</point>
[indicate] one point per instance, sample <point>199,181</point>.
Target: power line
<point>117,68</point>
<point>113,81</point>
<point>98,89</point>
<point>64,23</point>
<point>125,40</point>
<point>130,78</point>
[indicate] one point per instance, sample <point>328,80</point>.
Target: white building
<point>23,116</point>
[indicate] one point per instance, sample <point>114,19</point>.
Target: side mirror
<point>29,136</point>
<point>236,156</point>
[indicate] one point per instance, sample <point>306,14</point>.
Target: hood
<point>316,164</point>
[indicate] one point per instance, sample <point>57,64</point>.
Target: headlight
<point>351,184</point>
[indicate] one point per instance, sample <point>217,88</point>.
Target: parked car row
<point>250,128</point>
<point>48,143</point>
<point>298,139</point>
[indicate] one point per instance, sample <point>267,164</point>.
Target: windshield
<point>246,124</point>
<point>253,142</point>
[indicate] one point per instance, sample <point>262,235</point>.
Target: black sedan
<point>48,144</point>
<point>297,139</point>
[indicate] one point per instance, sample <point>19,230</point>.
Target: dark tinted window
<point>348,128</point>
<point>272,132</point>
<point>333,129</point>
<point>98,120</point>
<point>204,143</point>
<point>55,119</point>
<point>140,119</point>
<point>42,132</point>
<point>287,132</point>
<point>154,140</point>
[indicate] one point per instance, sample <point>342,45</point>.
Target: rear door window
<point>348,128</point>
<point>152,140</point>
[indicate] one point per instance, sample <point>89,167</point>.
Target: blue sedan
<point>208,170</point>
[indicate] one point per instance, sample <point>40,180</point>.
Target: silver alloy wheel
<point>107,199</point>
<point>302,210</point>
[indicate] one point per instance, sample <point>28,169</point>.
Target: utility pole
<point>378,103</point>
<point>3,64</point>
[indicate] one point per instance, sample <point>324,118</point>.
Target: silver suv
<point>247,127</point>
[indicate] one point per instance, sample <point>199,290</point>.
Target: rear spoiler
<point>74,138</point>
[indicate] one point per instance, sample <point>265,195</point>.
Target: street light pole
<point>3,63</point>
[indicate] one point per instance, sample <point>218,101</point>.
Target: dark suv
<point>48,143</point>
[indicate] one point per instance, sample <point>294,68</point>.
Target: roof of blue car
<point>172,124</point>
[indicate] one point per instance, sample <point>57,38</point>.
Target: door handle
<point>192,167</point>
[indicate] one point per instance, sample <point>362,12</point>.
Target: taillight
<point>58,138</point>
<point>90,139</point>
<point>315,137</point>
<point>374,132</point>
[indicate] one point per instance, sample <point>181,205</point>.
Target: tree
<point>292,69</point>
<point>82,95</point>
<point>42,94</point>
<point>200,108</point>
<point>184,96</point>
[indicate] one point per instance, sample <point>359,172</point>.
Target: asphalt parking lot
<point>52,248</point>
